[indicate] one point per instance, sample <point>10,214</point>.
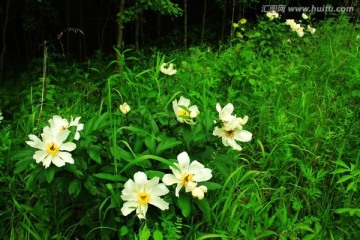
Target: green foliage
<point>297,179</point>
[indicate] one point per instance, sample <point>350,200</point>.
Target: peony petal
<point>243,136</point>
<point>39,156</point>
<point>35,142</point>
<point>140,178</point>
<point>170,179</point>
<point>77,136</point>
<point>150,184</point>
<point>128,207</point>
<point>178,188</point>
<point>66,157</point>
<point>159,190</point>
<point>141,210</point>
<point>232,143</point>
<point>190,186</point>
<point>184,102</point>
<point>69,146</point>
<point>57,161</point>
<point>184,161</point>
<point>228,109</point>
<point>203,175</point>
<point>47,161</point>
<point>159,202</point>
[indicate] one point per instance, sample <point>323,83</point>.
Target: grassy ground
<point>298,177</point>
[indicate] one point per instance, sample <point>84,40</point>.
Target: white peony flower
<point>184,112</point>
<point>124,108</point>
<point>141,192</point>
<point>59,124</point>
<point>229,137</point>
<point>187,175</point>
<point>168,70</point>
<point>52,148</point>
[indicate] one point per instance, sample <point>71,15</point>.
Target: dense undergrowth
<point>298,178</point>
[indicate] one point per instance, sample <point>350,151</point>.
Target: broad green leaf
<point>165,144</point>
<point>50,173</point>
<point>184,203</point>
<point>157,235</point>
<point>94,154</point>
<point>74,187</point>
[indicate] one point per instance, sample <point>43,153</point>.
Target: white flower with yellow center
<point>183,112</point>
<point>124,108</point>
<point>52,148</point>
<point>59,124</point>
<point>187,175</point>
<point>167,69</point>
<point>230,136</point>
<point>141,192</point>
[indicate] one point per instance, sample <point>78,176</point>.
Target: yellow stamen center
<point>182,112</point>
<point>52,148</point>
<point>62,128</point>
<point>186,178</point>
<point>229,134</point>
<point>143,198</point>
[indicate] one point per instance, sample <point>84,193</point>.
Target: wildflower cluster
<point>141,192</point>
<point>52,146</point>
<point>272,15</point>
<point>296,27</point>
<point>241,25</point>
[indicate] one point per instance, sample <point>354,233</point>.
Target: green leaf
<point>110,177</point>
<point>157,235</point>
<point>50,173</point>
<point>144,233</point>
<point>344,178</point>
<point>211,185</point>
<point>167,143</point>
<point>74,187</point>
<point>124,230</point>
<point>205,208</point>
<point>94,154</point>
<point>184,204</point>
<point>150,143</point>
<point>341,163</point>
<point>340,170</point>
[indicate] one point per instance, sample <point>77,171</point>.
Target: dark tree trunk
<point>120,33</point>
<point>203,22</point>
<point>223,21</point>
<point>185,24</point>
<point>2,56</point>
